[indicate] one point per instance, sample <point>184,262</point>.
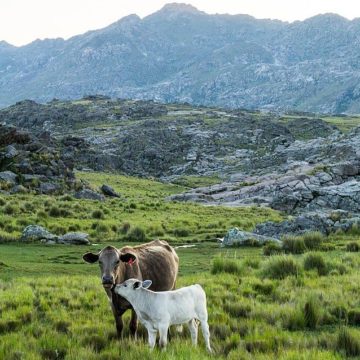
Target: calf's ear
<point>127,258</point>
<point>137,285</point>
<point>90,257</point>
<point>146,284</point>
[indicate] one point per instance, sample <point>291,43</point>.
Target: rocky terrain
<point>298,163</point>
<point>181,54</point>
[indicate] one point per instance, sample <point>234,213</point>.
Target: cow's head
<point>110,260</point>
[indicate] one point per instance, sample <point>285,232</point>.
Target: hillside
<point>182,54</point>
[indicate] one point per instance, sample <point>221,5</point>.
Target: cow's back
<point>158,262</point>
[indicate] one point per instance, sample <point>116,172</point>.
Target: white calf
<point>158,310</point>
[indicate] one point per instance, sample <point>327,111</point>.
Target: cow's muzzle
<point>107,281</point>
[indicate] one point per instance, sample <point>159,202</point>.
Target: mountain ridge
<point>181,54</point>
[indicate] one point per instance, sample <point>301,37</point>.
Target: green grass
<point>52,306</point>
<point>141,205</point>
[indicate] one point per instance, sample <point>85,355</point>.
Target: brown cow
<point>155,260</point>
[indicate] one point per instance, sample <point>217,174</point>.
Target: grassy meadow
<point>300,301</point>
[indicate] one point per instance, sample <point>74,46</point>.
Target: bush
<point>281,266</point>
<point>10,209</point>
<point>54,212</point>
<point>354,317</point>
<point>125,227</point>
<point>136,234</point>
<point>272,248</point>
<point>225,265</point>
<point>313,239</point>
<point>353,246</point>
<point>311,313</point>
<point>181,232</point>
<point>98,214</point>
<point>348,343</point>
<point>293,244</point>
<point>314,261</point>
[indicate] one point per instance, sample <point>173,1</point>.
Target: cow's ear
<point>137,285</point>
<point>146,284</point>
<point>90,257</point>
<point>127,258</point>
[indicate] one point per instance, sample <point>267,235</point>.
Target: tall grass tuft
<point>311,313</point>
<point>315,261</point>
<point>225,265</point>
<point>281,266</point>
<point>348,343</point>
<point>313,239</point>
<point>293,244</point>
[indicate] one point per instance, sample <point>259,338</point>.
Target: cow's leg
<point>118,320</point>
<point>163,331</point>
<point>133,323</point>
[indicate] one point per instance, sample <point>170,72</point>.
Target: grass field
<point>303,303</point>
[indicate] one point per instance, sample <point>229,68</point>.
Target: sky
<point>23,21</point>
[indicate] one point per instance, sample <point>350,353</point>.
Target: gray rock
<point>109,191</point>
<point>238,237</point>
<point>74,238</point>
<point>37,233</point>
<point>49,188</point>
<point>10,152</point>
<point>89,194</point>
<point>19,189</point>
<point>8,176</point>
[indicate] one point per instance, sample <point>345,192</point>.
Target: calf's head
<point>130,286</point>
<point>111,261</point>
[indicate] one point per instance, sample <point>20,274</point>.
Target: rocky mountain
<point>180,54</point>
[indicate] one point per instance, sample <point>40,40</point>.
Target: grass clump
<point>281,266</point>
<point>353,246</point>
<point>313,239</point>
<point>272,248</point>
<point>136,234</point>
<point>348,343</point>
<point>224,265</point>
<point>311,313</point>
<point>315,261</point>
<point>98,214</point>
<point>293,244</point>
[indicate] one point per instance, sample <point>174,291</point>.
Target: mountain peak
<point>180,8</point>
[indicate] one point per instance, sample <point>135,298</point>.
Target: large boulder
<point>89,195</point>
<point>109,191</point>
<point>74,238</point>
<point>8,177</point>
<point>236,237</point>
<point>37,233</point>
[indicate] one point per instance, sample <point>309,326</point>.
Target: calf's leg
<point>163,330</point>
<point>193,327</point>
<point>206,334</point>
<point>151,337</point>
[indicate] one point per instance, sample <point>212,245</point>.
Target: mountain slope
<point>182,54</point>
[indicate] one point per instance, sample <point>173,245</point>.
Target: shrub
<point>311,313</point>
<point>353,246</point>
<point>54,212</point>
<point>314,261</point>
<point>225,265</point>
<point>272,248</point>
<point>2,202</point>
<point>265,287</point>
<point>125,227</point>
<point>293,244</point>
<point>10,209</point>
<point>348,343</point>
<point>136,234</point>
<point>181,232</point>
<point>281,266</point>
<point>354,317</point>
<point>237,309</point>
<point>98,214</point>
<point>313,239</point>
